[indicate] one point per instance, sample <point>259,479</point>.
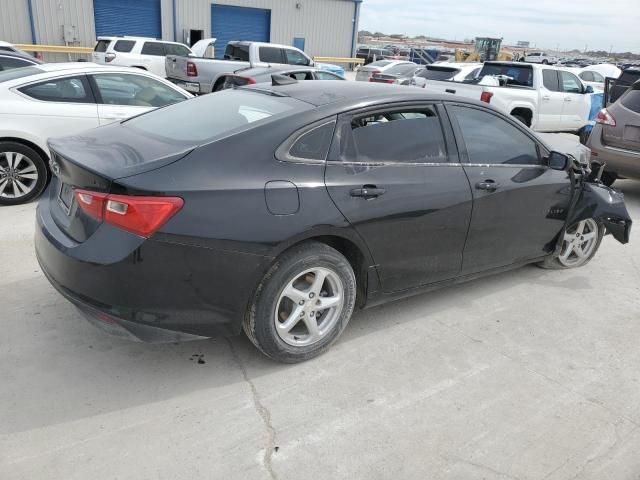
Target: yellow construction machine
<point>486,49</point>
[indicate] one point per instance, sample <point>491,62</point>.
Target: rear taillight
<point>141,216</point>
<point>605,118</point>
<point>109,57</point>
<point>486,97</point>
<point>192,70</point>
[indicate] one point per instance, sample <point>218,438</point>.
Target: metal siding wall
<point>14,21</point>
<point>326,25</point>
<point>166,7</point>
<point>50,16</point>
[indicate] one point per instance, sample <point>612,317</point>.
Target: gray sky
<point>547,23</point>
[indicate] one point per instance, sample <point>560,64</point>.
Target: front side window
<point>587,76</point>
<point>68,90</point>
<point>9,63</point>
<point>550,80</point>
<point>124,46</point>
<point>134,90</point>
<point>492,140</point>
<point>270,55</point>
<point>295,58</point>
<point>570,83</point>
<point>153,48</point>
<point>597,77</point>
<point>400,136</point>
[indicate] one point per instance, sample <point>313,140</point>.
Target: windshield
<point>438,73</point>
<point>520,75</point>
<point>203,119</point>
<point>16,73</point>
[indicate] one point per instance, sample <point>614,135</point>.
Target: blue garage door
<point>128,17</point>
<point>239,23</point>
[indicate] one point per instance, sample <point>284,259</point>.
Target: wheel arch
<point>523,111</point>
<point>34,146</point>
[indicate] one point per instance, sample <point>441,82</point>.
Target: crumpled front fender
<point>606,205</point>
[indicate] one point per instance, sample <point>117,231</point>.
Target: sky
<point>569,24</point>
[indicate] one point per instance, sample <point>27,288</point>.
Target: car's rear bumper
<point>156,290</point>
<point>624,162</point>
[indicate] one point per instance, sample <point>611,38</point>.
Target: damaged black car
<point>280,209</point>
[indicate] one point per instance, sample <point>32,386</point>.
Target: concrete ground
<point>531,374</point>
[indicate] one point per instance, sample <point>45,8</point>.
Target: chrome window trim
<point>434,164</point>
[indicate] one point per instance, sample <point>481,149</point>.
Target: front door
<point>519,204</point>
<point>577,104</point>
<point>394,174</point>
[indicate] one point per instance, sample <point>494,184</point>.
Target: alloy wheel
<point>309,306</point>
<point>580,240</point>
<point>18,175</point>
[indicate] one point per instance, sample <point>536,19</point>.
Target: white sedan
<point>62,99</point>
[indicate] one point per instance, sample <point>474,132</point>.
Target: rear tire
<point>23,173</point>
<point>580,244</point>
<point>286,320</point>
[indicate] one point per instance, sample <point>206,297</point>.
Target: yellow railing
<point>54,49</point>
<point>359,61</point>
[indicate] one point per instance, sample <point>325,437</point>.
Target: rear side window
<point>491,140</point>
<point>237,52</point>
<point>270,55</point>
<point>9,63</point>
<point>178,50</point>
<point>203,119</point>
<point>432,73</point>
<point>398,136</point>
<point>67,90</point>
<point>313,145</point>
<point>632,100</point>
<point>101,46</point>
<point>153,48</point>
<point>124,46</point>
<point>587,76</point>
<point>550,80</point>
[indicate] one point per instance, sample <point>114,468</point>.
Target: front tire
<point>580,244</point>
<point>303,303</point>
<point>23,173</point>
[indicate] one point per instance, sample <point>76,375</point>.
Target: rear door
<point>576,106</point>
<point>124,95</point>
<point>152,57</point>
<point>518,202</point>
<point>551,102</point>
<point>394,174</point>
<point>625,134</point>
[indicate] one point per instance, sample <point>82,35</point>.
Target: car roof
<point>325,92</point>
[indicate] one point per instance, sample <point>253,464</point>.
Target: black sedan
<point>281,209</point>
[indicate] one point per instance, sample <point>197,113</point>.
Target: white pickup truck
<point>545,98</point>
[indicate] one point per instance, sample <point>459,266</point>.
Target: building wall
<point>326,25</point>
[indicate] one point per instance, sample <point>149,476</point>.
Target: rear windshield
<point>16,73</point>
<point>237,52</point>
<point>632,100</point>
<point>438,73</point>
<point>101,46</point>
<point>521,76</point>
<point>203,119</point>
<point>401,69</point>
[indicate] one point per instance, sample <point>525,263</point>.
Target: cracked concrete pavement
<point>530,374</point>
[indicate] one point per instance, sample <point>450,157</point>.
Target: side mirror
<point>558,161</point>
<point>589,89</point>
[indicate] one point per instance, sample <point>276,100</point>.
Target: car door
<point>551,102</point>
<point>518,201</point>
<point>394,174</point>
<point>153,58</point>
<point>576,106</point>
<point>124,95</point>
<point>60,106</point>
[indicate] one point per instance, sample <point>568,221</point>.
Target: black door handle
<point>368,191</point>
<point>450,90</point>
<point>489,185</point>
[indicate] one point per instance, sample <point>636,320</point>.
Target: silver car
<point>364,73</point>
<point>251,76</point>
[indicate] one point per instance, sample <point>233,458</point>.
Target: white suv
<point>141,52</point>
<point>540,57</point>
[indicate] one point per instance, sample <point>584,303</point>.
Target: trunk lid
<point>90,161</point>
<point>176,67</point>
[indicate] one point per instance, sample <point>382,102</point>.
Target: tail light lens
<point>141,216</point>
<point>109,57</point>
<point>605,118</point>
<point>486,97</point>
<point>192,70</point>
